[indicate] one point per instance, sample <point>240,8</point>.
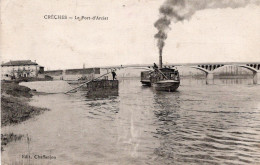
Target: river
<point>198,124</point>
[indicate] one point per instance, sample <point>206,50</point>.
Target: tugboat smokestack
<point>160,58</point>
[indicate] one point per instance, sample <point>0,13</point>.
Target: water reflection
<point>216,81</point>
<point>167,112</point>
<point>166,108</point>
<point>101,94</point>
<point>100,90</point>
<point>235,81</point>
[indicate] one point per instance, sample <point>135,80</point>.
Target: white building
<point>17,69</point>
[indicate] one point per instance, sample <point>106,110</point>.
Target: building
<point>18,69</point>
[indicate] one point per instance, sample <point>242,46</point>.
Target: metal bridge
<point>208,68</point>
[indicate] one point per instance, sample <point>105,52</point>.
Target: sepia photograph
<point>130,82</point>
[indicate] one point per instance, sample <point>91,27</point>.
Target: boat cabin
<point>164,74</point>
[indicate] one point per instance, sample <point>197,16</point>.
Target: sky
<point>127,37</point>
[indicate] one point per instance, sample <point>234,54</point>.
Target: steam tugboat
<point>162,79</point>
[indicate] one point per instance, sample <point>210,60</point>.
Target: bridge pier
<point>256,77</point>
<point>209,78</point>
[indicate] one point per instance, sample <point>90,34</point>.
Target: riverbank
<point>15,108</point>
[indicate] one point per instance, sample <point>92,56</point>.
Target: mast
<point>160,58</point>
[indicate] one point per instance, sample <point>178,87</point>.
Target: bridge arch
<point>202,69</point>
<point>241,66</point>
<point>209,74</point>
<point>256,73</point>
<point>249,68</point>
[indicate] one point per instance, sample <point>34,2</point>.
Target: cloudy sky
<point>127,37</point>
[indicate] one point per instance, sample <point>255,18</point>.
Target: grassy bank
<point>15,108</point>
<point>14,89</point>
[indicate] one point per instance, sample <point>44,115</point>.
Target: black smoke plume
<point>179,10</point>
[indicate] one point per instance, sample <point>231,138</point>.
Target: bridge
<point>208,68</point>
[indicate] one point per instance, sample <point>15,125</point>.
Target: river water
<point>198,124</point>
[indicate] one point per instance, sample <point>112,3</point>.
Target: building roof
<point>19,63</point>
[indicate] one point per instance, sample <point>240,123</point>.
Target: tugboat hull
<point>166,85</point>
<point>146,82</point>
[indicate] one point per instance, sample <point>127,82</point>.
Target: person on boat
<point>155,66</point>
<point>114,75</point>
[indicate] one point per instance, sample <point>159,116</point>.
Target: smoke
<point>179,10</point>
